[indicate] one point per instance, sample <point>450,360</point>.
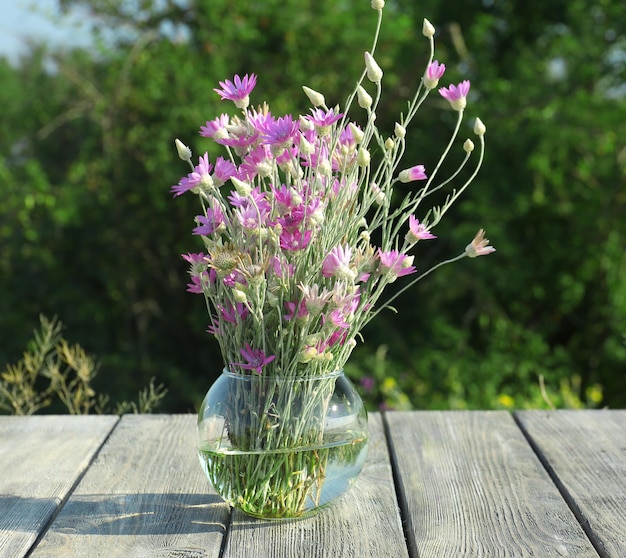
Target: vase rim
<point>284,378</point>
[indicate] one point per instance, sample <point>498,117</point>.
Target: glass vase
<point>282,448</point>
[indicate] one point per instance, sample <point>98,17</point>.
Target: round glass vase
<point>282,448</point>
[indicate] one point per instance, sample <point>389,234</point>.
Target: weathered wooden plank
<point>41,459</point>
<point>471,485</point>
<point>364,523</point>
<point>585,452</point>
<point>144,496</point>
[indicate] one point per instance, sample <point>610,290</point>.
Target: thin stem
<point>411,283</point>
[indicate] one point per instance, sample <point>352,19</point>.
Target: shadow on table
<point>119,514</point>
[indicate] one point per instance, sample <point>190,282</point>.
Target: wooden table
<point>436,484</point>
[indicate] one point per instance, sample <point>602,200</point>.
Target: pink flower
<point>293,240</point>
<point>456,95</point>
<point>224,170</point>
<point>433,73</point>
<point>295,310</point>
<point>201,176</point>
<point>479,246</point>
<point>234,314</point>
<point>414,173</point>
<point>417,231</point>
<point>279,132</point>
<point>256,359</point>
<point>395,263</point>
<point>215,128</point>
<point>259,161</point>
<point>237,90</point>
<point>323,120</point>
<point>282,268</point>
<point>337,263</point>
<point>209,223</point>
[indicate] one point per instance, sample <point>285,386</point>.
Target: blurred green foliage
<point>89,231</point>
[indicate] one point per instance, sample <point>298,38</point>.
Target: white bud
<point>389,143</point>
<point>239,295</point>
<point>427,29</point>
<point>356,132</point>
<point>363,98</point>
<point>365,236</point>
<point>377,4</point>
<point>305,124</point>
<point>468,146</point>
<point>243,188</point>
<point>183,151</point>
<point>374,73</point>
<point>399,130</point>
<point>479,127</point>
<point>363,157</point>
<point>308,354</point>
<point>317,99</point>
<point>324,167</point>
<point>306,147</point>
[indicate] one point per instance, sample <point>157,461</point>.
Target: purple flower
<point>295,310</point>
<point>337,263</point>
<point>255,359</point>
<point>395,263</point>
<point>237,90</point>
<point>209,223</point>
<point>456,95</point>
<point>224,170</point>
<point>418,231</point>
<point>323,119</point>
<point>414,173</point>
<point>215,128</point>
<point>433,73</point>
<point>293,240</point>
<point>278,131</point>
<point>201,176</point>
<point>367,383</point>
<point>234,314</point>
<point>259,161</point>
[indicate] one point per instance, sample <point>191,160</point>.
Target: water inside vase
<point>286,483</point>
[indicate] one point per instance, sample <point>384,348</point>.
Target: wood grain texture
<point>585,452</point>
<point>365,523</point>
<point>144,496</point>
<point>41,459</point>
<point>471,486</point>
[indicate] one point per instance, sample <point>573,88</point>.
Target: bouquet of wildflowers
<point>301,234</point>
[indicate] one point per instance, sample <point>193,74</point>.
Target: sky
<point>21,20</point>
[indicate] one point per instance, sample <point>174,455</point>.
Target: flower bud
<point>317,99</point>
<point>363,98</point>
<point>308,354</point>
<point>239,295</point>
<point>479,127</point>
<point>377,4</point>
<point>400,131</point>
<point>183,151</point>
<point>427,29</point>
<point>363,157</point>
<point>305,124</point>
<point>356,132</point>
<point>242,188</point>
<point>468,146</point>
<point>389,143</point>
<point>407,261</point>
<point>374,72</point>
<point>306,147</point>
